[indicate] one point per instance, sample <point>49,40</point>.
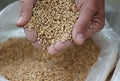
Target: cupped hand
<point>91,13</point>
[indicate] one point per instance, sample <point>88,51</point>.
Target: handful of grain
<point>53,20</point>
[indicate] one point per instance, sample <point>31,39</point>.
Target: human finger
<point>31,34</point>
<point>26,7</point>
<point>59,47</point>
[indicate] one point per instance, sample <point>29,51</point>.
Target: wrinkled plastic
<point>113,16</point>
<point>8,18</point>
<point>116,76</point>
<point>107,40</point>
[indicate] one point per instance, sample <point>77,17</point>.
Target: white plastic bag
<point>107,40</point>
<point>116,75</point>
<point>113,15</point>
<point>8,18</point>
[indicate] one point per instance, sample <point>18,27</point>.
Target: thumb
<point>81,25</point>
<point>26,7</point>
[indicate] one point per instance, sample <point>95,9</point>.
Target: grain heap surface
<point>53,20</point>
<point>22,62</point>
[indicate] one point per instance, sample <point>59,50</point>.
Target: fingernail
<point>51,50</point>
<point>36,44</point>
<point>31,34</point>
<point>80,39</point>
<point>19,21</point>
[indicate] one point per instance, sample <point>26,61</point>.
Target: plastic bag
<point>2,78</point>
<point>112,8</point>
<point>8,18</point>
<point>113,16</point>
<point>116,75</point>
<point>107,40</point>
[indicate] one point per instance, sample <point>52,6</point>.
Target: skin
<point>90,10</point>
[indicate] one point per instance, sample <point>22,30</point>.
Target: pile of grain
<point>22,62</point>
<point>53,20</point>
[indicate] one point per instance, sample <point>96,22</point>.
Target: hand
<point>26,7</point>
<point>90,10</point>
